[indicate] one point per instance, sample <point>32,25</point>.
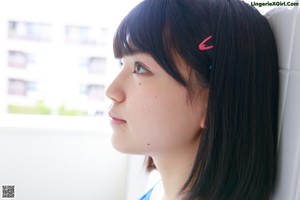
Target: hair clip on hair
<point>202,46</point>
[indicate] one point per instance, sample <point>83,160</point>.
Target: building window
<point>94,98</point>
<point>17,87</point>
<point>94,65</point>
<point>86,35</point>
<point>95,93</point>
<point>29,31</point>
<point>20,59</point>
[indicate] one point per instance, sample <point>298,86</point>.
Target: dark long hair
<point>236,157</point>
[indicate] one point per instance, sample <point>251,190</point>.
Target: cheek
<point>164,120</point>
<point>144,117</point>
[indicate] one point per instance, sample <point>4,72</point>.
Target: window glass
<point>57,58</point>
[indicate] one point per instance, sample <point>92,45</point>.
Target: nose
<point>115,90</point>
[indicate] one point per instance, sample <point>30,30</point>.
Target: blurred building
<point>53,65</point>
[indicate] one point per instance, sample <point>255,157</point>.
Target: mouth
<point>116,120</point>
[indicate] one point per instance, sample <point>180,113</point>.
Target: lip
<point>116,120</point>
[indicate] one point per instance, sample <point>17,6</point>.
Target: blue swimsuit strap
<point>147,195</point>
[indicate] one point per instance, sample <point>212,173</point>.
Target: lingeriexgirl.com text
<point>274,3</point>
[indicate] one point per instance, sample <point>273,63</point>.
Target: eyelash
<point>138,66</point>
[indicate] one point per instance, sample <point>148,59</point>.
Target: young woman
<point>198,95</point>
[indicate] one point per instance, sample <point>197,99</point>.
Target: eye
<point>121,63</point>
<point>140,69</point>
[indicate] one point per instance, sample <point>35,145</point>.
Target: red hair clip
<point>202,46</point>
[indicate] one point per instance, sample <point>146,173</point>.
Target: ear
<point>203,101</point>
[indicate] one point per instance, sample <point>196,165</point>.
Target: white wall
<point>286,26</point>
<point>57,158</point>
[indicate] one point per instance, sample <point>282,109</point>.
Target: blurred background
<point>57,55</point>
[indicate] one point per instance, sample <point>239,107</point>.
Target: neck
<point>175,168</point>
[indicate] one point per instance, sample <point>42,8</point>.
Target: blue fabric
<point>147,195</point>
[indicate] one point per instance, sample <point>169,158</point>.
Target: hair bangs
<point>140,31</point>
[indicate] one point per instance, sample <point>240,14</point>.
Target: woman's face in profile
<point>150,111</point>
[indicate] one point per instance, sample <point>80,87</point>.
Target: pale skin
<point>151,114</point>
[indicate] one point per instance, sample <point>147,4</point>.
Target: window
<point>27,30</point>
<point>94,65</point>
<point>56,68</point>
<point>20,59</point>
<point>58,60</point>
<point>86,35</point>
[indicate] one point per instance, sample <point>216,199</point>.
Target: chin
<point>121,147</point>
<point>127,149</point>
